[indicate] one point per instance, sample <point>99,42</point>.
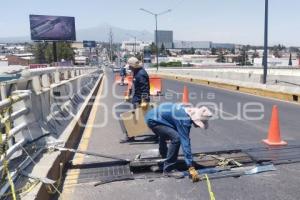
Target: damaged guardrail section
<point>37,110</point>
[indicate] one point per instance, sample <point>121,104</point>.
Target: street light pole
<point>156,42</point>
<point>156,38</point>
<point>265,58</point>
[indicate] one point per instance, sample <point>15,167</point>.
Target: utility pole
<point>156,36</point>
<point>134,45</point>
<point>110,35</point>
<point>265,58</point>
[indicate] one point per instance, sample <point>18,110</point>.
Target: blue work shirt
<point>123,71</point>
<point>173,116</point>
<point>141,86</point>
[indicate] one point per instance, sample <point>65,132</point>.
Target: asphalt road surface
<point>234,127</point>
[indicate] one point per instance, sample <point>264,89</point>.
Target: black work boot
<point>174,174</point>
<point>127,140</point>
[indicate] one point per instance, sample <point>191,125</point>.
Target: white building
<point>192,44</point>
<point>277,62</point>
<point>134,46</point>
<point>195,60</point>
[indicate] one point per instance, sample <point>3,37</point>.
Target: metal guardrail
<point>15,98</point>
<point>5,107</point>
<point>14,107</point>
<point>7,103</point>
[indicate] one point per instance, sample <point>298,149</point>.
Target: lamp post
<point>265,58</point>
<point>156,39</point>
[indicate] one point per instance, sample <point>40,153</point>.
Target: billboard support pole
<point>54,51</point>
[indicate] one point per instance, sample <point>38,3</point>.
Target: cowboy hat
<point>134,62</point>
<point>199,116</point>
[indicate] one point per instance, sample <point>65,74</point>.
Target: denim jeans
<point>171,153</point>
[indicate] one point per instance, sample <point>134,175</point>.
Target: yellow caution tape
<point>211,194</point>
<point>25,189</point>
<point>4,148</point>
<point>11,183</point>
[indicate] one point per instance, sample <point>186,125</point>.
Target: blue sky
<point>238,21</point>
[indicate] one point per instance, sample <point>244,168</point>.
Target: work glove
<point>194,174</point>
<point>144,105</point>
<point>127,98</point>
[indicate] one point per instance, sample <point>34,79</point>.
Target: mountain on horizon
<point>99,33</point>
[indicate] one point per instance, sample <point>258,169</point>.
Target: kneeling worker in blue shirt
<point>173,122</point>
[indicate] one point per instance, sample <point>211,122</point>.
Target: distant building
<point>80,50</point>
<point>164,37</point>
<point>134,46</point>
<point>276,62</point>
<point>81,60</point>
<point>77,45</point>
<point>192,44</point>
<point>16,60</point>
<point>223,46</point>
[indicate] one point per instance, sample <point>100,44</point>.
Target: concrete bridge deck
<point>103,136</point>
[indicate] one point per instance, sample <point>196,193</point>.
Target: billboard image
<point>90,44</point>
<point>44,27</point>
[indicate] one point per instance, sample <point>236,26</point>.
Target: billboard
<point>44,27</point>
<point>90,44</point>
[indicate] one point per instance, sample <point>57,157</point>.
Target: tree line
<point>43,52</point>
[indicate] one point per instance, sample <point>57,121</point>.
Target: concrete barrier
<point>283,92</point>
<point>281,76</point>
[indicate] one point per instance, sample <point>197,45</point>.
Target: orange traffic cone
<point>185,95</point>
<point>274,138</point>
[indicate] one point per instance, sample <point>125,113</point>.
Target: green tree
<point>65,51</point>
<point>290,60</point>
<point>49,53</point>
<point>39,52</point>
<point>221,58</point>
<point>232,51</point>
<point>43,52</point>
<point>162,49</point>
<point>192,50</point>
<point>168,52</point>
<point>213,51</point>
<point>153,48</point>
<point>277,53</point>
<point>243,58</point>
